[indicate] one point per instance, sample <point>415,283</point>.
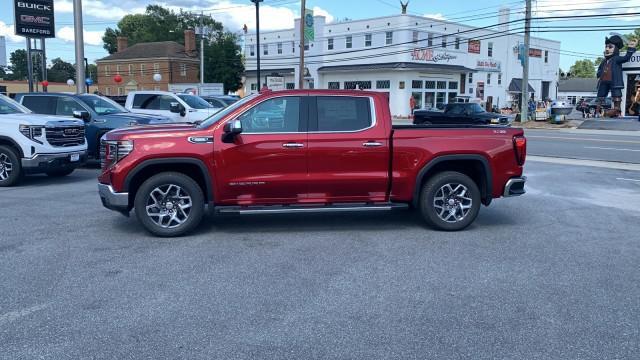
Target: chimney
<point>189,42</point>
<point>122,42</point>
<point>503,19</point>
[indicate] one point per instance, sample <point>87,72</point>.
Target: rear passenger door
<point>348,156</point>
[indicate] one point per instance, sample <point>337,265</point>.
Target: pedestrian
<point>412,104</point>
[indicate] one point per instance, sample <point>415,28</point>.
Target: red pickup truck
<point>308,151</point>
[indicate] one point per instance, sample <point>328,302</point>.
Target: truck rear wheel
<point>169,204</point>
<point>450,201</point>
<point>10,167</point>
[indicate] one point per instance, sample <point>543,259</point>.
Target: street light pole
<point>257,2</point>
<point>525,68</point>
<point>302,44</point>
<point>79,38</point>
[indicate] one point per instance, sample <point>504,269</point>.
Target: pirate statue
<point>610,72</point>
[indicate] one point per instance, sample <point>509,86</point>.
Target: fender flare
<point>14,144</point>
<point>175,160</point>
<point>488,189</point>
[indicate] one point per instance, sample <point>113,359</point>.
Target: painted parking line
<point>609,148</point>
<point>584,162</point>
<point>582,139</point>
<point>625,179</point>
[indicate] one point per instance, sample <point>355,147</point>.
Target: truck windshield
<point>224,112</point>
<point>8,106</point>
<point>101,105</point>
<point>195,102</point>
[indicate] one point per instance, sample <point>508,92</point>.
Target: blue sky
<point>99,14</point>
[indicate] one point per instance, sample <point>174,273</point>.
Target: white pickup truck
<point>31,143</point>
<point>178,107</point>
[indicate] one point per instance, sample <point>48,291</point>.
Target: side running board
<point>288,209</point>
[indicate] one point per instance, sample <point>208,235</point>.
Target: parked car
<point>592,104</point>
<point>99,114</point>
<point>459,113</point>
<point>219,101</point>
<point>178,107</point>
<point>316,151</point>
<point>31,143</point>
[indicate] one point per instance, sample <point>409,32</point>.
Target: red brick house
<point>176,63</point>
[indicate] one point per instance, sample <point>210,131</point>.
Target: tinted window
<point>152,101</point>
<point>339,113</point>
<point>66,106</point>
<point>40,104</point>
<point>273,116</point>
<point>141,101</point>
<point>226,111</point>
<point>195,102</point>
<point>102,106</point>
<point>8,106</point>
<point>456,109</point>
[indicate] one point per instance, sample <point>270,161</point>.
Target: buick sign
<point>34,18</point>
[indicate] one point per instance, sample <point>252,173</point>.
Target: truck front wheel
<point>450,201</point>
<point>169,204</point>
<point>10,167</point>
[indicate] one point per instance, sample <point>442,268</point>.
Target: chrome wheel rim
<point>168,206</point>
<point>452,202</point>
<point>6,167</point>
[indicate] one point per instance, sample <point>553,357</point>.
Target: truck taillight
<point>520,148</point>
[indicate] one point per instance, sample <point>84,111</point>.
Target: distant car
<point>99,114</point>
<point>459,113</point>
<point>219,101</point>
<point>178,107</point>
<point>591,105</point>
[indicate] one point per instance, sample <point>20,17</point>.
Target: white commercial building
<point>433,61</point>
<point>3,51</point>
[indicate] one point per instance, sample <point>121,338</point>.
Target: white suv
<point>31,143</point>
<point>178,107</point>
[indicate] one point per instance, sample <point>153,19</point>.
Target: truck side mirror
<point>230,130</point>
<point>82,115</point>
<point>177,108</point>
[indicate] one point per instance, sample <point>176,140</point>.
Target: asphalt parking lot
<point>551,275</point>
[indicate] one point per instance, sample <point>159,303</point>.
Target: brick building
<point>138,64</point>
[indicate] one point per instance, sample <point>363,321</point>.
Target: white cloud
<point>90,37</point>
<point>437,16</point>
<point>8,32</point>
<point>318,11</point>
<point>108,10</point>
<point>546,8</point>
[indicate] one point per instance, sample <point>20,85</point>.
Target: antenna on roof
<point>404,7</point>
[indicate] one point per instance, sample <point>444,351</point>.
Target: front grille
<point>103,155</point>
<point>65,136</point>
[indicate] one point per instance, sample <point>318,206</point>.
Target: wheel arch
<point>7,141</point>
<point>473,165</point>
<point>192,167</point>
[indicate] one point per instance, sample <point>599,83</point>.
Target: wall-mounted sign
<point>488,65</point>
<point>533,52</point>
<point>474,46</point>
<point>275,82</point>
<point>309,32</point>
<point>34,18</point>
<point>428,55</point>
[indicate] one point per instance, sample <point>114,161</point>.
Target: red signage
<point>474,46</point>
<point>535,52</point>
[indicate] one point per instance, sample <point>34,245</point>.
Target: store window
<point>457,46</point>
<point>252,50</point>
<point>444,41</point>
<point>254,86</point>
<point>470,91</point>
<point>546,56</point>
<point>429,84</point>
<point>453,85</point>
<point>470,78</point>
<point>429,99</point>
<point>440,100</point>
<point>383,84</point>
<point>489,79</point>
<point>430,39</point>
<point>330,44</point>
<point>367,40</point>
<point>416,84</point>
<point>389,38</point>
<point>265,49</point>
<point>417,97</point>
<point>353,85</point>
<point>500,79</point>
<point>349,42</point>
<point>451,97</point>
<point>279,48</point>
<point>441,85</point>
<point>334,85</point>
<point>490,49</point>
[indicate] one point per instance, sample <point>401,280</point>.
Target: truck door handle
<point>372,144</point>
<point>292,145</point>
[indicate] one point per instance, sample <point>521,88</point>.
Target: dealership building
<point>432,61</point>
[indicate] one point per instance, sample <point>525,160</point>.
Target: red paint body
<point>329,167</point>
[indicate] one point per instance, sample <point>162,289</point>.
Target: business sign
<point>488,65</point>
<point>533,52</point>
<point>474,46</point>
<point>275,82</point>
<point>309,32</point>
<point>34,18</point>
<point>198,89</point>
<point>428,55</point>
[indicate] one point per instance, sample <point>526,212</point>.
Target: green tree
<point>583,69</point>
<point>3,72</point>
<point>18,65</point>
<point>223,61</point>
<point>599,59</point>
<point>61,71</point>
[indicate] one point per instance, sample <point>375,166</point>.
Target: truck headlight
<point>32,132</point>
<point>114,151</point>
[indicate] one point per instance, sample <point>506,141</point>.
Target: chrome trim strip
<point>113,198</point>
<point>510,183</point>
<point>200,139</point>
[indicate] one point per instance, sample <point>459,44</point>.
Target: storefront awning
<point>268,72</point>
<point>516,86</point>
<point>397,66</point>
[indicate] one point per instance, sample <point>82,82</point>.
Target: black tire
<point>10,166</point>
<point>443,214</point>
<point>180,221</point>
<point>59,172</point>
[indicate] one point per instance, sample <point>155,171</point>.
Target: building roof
<point>516,86</point>
<point>159,49</point>
<point>396,66</point>
<point>578,85</point>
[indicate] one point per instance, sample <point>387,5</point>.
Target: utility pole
<point>525,68</point>
<point>79,38</point>
<point>29,65</point>
<point>202,48</point>
<point>43,53</point>
<point>257,2</point>
<point>302,44</point>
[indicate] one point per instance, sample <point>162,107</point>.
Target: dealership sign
<point>488,65</point>
<point>428,55</point>
<point>34,18</point>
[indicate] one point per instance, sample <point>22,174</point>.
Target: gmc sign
<point>34,18</point>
